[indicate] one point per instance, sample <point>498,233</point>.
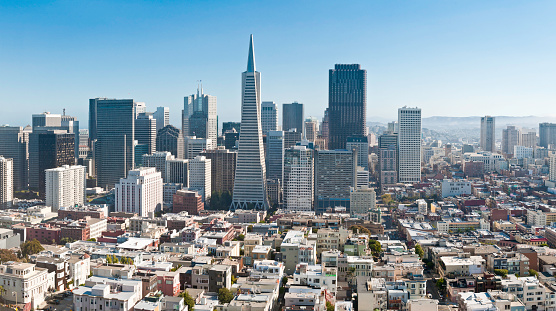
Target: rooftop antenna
<point>64,111</point>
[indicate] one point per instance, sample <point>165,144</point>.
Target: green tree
<point>501,272</point>
<point>108,259</point>
<point>92,240</point>
<point>419,251</point>
<point>284,280</point>
<point>329,306</point>
<point>375,248</point>
<point>250,228</point>
<point>240,237</point>
<point>533,273</point>
<point>115,259</point>
<point>441,284</point>
<point>7,255</point>
<point>386,199</point>
<point>66,240</point>
<point>225,295</point>
<point>31,248</point>
<point>188,300</point>
<point>234,279</point>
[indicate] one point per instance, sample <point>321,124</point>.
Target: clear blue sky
<point>454,58</point>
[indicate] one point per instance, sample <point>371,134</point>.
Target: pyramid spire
<point>251,57</point>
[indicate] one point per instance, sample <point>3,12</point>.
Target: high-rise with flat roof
<point>361,143</point>
<point>140,192</point>
<point>269,117</point>
<point>250,180</point>
<point>347,104</point>
<point>409,145</point>
<point>6,181</point>
<point>65,186</point>
<point>311,128</point>
<point>488,134</point>
<point>547,134</point>
<point>510,139</point>
<point>170,139</point>
<point>335,174</point>
<point>223,167</point>
<point>275,155</point>
<point>388,158</point>
<point>162,117</point>
<point>14,144</point>
<point>298,179</point>
<point>292,117</point>
<point>158,160</point>
<point>200,176</point>
<point>145,131</point>
<point>112,128</point>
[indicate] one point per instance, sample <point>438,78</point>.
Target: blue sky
<point>453,58</point>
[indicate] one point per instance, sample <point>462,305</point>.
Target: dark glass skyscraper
<point>347,104</point>
<point>292,117</point>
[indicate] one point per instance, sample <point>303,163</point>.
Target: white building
<point>552,173</point>
<point>522,152</point>
<point>488,134</point>
<point>25,283</point>
<point>200,176</point>
<point>100,293</point>
<point>269,117</point>
<point>531,292</point>
<point>422,206</point>
<point>65,186</point>
<point>194,146</point>
<point>490,160</point>
<point>452,188</point>
<point>267,269</point>
<point>140,192</point>
<point>316,276</point>
<point>298,179</point>
<point>6,181</point>
<point>409,145</point>
<point>362,201</point>
<point>158,161</point>
<point>362,178</point>
<point>536,218</point>
<point>162,117</point>
<point>80,268</point>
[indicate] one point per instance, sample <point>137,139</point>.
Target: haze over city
<point>457,58</point>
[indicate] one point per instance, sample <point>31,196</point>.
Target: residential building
<point>362,201</point>
<point>14,144</point>
<point>547,135</point>
<point>65,186</point>
<point>250,179</point>
<point>6,181</point>
<point>200,176</point>
<point>111,294</point>
<point>361,144</point>
<point>388,159</point>
<point>347,104</point>
<point>223,167</point>
<point>298,179</point>
<point>452,188</point>
<point>140,192</point>
<point>26,283</point>
<point>510,139</point>
<point>335,174</point>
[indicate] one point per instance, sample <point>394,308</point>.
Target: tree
<point>234,279</point>
<point>7,255</point>
<point>225,295</point>
<point>501,272</point>
<point>115,259</point>
<point>92,240</point>
<point>188,300</point>
<point>441,284</point>
<point>375,247</point>
<point>386,198</point>
<point>241,237</point>
<point>250,228</point>
<point>419,251</point>
<point>284,280</point>
<point>533,273</point>
<point>329,306</point>
<point>66,240</point>
<point>108,259</point>
<point>31,248</point>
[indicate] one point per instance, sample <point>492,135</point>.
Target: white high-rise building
<point>158,161</point>
<point>200,176</point>
<point>409,140</point>
<point>298,179</point>
<point>528,137</point>
<point>140,192</point>
<point>269,117</point>
<point>552,172</point>
<point>162,117</point>
<point>6,181</point>
<point>488,136</point>
<point>65,186</point>
<point>250,179</point>
<point>194,146</point>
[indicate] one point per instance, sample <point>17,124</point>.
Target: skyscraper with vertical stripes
<point>250,179</point>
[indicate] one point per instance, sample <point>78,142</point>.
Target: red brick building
<point>188,201</point>
<point>44,233</point>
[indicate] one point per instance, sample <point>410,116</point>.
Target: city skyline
<point>463,57</point>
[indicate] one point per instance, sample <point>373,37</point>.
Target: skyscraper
<point>298,179</point>
<point>200,176</point>
<point>250,180</point>
<point>65,186</point>
<point>158,160</point>
<point>199,116</point>
<point>269,117</point>
<point>528,138</point>
<point>14,144</point>
<point>162,117</point>
<point>488,136</point>
<point>223,168</point>
<point>169,138</point>
<point>145,131</point>
<point>510,139</point>
<point>547,134</point>
<point>409,145</point>
<point>292,117</point>
<point>311,128</point>
<point>112,127</point>
<point>275,155</point>
<point>361,143</point>
<point>388,158</point>
<point>6,181</point>
<point>335,174</point>
<point>347,104</point>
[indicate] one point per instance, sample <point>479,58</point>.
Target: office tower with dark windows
<point>388,159</point>
<point>361,143</point>
<point>227,126</point>
<point>298,179</point>
<point>488,136</point>
<point>292,117</point>
<point>250,180</point>
<point>547,135</point>
<point>199,116</point>
<point>291,138</point>
<point>169,139</point>
<point>311,128</point>
<point>335,174</point>
<point>347,104</point>
<point>14,144</point>
<point>409,145</point>
<point>269,117</point>
<point>162,117</point>
<point>510,139</point>
<point>275,155</point>
<point>48,149</point>
<point>223,168</point>
<point>145,131</point>
<point>112,128</point>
